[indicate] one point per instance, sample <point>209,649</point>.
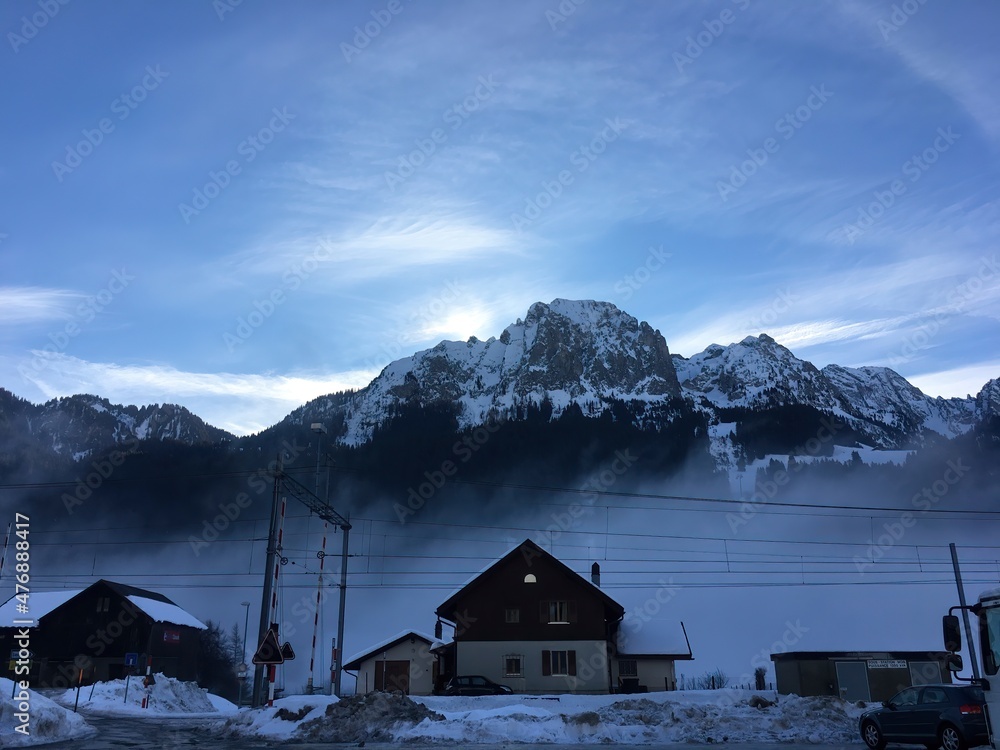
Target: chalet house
<point>403,662</point>
<point>102,630</point>
<point>530,622</point>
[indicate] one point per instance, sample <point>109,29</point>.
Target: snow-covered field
<point>703,717</point>
<point>653,718</point>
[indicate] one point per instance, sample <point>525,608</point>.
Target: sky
<point>241,206</point>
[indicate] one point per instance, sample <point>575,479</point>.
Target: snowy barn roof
<point>41,603</point>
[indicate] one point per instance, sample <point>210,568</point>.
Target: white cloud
<point>958,382</point>
<point>33,304</point>
<point>239,403</point>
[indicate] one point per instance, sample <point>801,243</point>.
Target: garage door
<point>392,675</point>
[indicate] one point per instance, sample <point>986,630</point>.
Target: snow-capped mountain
<point>78,425</point>
<point>759,373</point>
<point>567,352</point>
<point>591,354</point>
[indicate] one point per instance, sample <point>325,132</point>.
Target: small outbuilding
<point>403,662</point>
<point>858,675</point>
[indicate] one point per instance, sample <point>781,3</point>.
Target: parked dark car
<point>474,685</point>
<point>952,717</point>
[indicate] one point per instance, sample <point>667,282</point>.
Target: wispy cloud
<point>958,382</point>
<point>239,403</point>
<point>33,304</point>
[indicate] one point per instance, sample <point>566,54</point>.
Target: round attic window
<point>530,578</point>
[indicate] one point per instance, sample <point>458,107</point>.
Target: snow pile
<point>166,696</point>
<point>736,716</point>
<point>685,716</point>
<point>47,722</point>
<point>282,720</point>
<point>376,717</point>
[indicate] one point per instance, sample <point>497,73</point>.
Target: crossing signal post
<point>287,485</point>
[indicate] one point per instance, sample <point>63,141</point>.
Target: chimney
<point>595,574</point>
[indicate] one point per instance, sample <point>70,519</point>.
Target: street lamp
<point>243,664</point>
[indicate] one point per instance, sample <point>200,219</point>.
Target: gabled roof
<point>355,661</point>
<point>156,606</point>
<point>530,550</point>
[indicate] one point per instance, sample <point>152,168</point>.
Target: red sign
<point>172,636</point>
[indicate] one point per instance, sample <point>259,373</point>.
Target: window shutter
<point>543,612</point>
<point>546,663</point>
<point>571,658</point>
<point>571,611</point>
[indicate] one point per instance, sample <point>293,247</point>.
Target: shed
<point>403,662</point>
<point>858,675</point>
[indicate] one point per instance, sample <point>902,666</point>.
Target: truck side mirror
<point>952,633</point>
<point>954,662</point>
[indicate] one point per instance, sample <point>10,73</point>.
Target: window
<point>558,663</point>
<point>530,578</point>
<point>512,665</point>
<point>558,612</point>
<point>934,695</point>
<point>512,615</point>
<point>906,698</point>
<point>103,603</point>
<point>627,668</point>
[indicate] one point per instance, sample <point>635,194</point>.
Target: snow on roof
<point>164,612</point>
<point>659,637</point>
<point>40,603</point>
<point>361,655</point>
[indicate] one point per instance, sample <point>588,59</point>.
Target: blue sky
<point>355,182</point>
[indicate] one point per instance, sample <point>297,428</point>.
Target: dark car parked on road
<point>951,717</point>
<point>474,685</point>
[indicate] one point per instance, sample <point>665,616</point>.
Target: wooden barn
<point>99,632</point>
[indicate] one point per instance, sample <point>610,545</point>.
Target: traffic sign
<point>269,652</point>
<point>286,651</point>
<point>131,659</point>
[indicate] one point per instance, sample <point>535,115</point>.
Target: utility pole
<point>965,612</point>
<point>265,602</point>
<point>286,484</point>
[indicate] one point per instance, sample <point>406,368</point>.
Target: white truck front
<point>987,610</point>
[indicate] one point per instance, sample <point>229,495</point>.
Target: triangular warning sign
<point>286,651</point>
<point>269,651</point>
